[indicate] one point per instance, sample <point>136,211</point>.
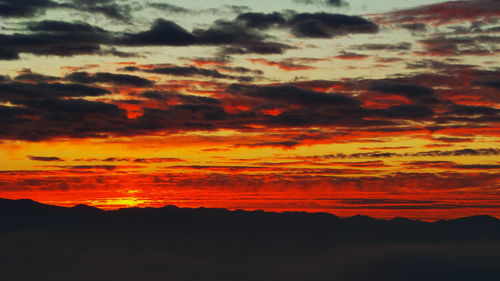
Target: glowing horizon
<point>385,109</point>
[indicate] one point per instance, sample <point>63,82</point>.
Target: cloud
<point>233,37</point>
<point>284,65</point>
<point>187,71</point>
<point>45,159</point>
<point>180,98</point>
<point>333,3</point>
<point>109,8</point>
<point>325,25</point>
<point>445,13</point>
<point>432,153</point>
<point>336,3</point>
<point>414,92</point>
<point>291,95</point>
<point>495,84</point>
<point>403,46</point>
<point>24,8</point>
<point>56,38</point>
<point>106,77</point>
<point>261,20</point>
<point>18,92</point>
<point>473,110</point>
<point>169,8</point>
<point>162,32</point>
<point>29,76</point>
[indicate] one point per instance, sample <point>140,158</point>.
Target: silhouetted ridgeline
<point>82,243</point>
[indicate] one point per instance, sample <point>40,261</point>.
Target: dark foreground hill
<point>82,243</point>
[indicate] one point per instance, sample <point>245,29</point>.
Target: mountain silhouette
<point>40,242</point>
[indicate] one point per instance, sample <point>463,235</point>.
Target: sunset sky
<point>385,108</point>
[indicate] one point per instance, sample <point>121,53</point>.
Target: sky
<point>381,108</point>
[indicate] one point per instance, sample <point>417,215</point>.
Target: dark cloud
<point>291,95</point>
<point>261,20</point>
<point>186,116</point>
<point>234,37</point>
<point>63,26</point>
<point>6,54</point>
<point>414,92</point>
<point>325,25</point>
<point>72,107</point>
<point>18,92</point>
<point>239,38</point>
<point>162,32</point>
<point>56,38</point>
<point>453,44</point>
<point>473,110</point>
<point>35,77</point>
<point>106,77</point>
<point>169,8</point>
<point>405,111</point>
<point>336,3</point>
<point>446,12</point>
<point>109,8</point>
<point>189,71</point>
<point>415,27</point>
<point>53,118</point>
<point>433,153</point>
<point>45,159</point>
<point>495,84</point>
<point>283,144</point>
<point>186,99</point>
<point>403,46</point>
<point>24,8</point>
<point>333,3</point>
<point>241,70</point>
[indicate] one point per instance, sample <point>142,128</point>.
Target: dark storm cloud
<point>24,8</point>
<point>106,77</point>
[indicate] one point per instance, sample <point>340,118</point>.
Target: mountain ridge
<point>29,204</point>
